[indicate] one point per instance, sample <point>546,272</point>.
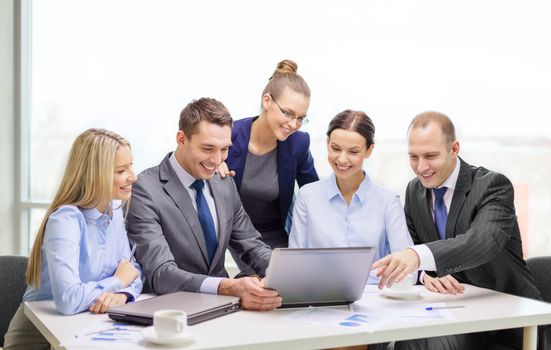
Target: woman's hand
<point>224,171</point>
<point>126,273</point>
<point>107,300</point>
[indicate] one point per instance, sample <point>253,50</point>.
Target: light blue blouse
<point>323,219</point>
<point>80,253</point>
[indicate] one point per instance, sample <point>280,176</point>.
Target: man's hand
<point>224,171</point>
<point>394,267</point>
<point>107,300</point>
<point>126,273</point>
<point>252,292</point>
<point>443,285</point>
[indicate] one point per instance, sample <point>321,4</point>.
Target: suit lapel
<point>239,150</point>
<point>424,205</point>
<point>174,188</point>
<point>221,212</point>
<point>462,188</point>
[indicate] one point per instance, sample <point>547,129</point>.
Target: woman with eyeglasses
<point>348,209</point>
<point>269,154</point>
<point>81,258</point>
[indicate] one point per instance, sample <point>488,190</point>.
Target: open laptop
<point>199,307</point>
<point>319,276</point>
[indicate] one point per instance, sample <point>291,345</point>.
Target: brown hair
<point>207,109</point>
<point>422,120</point>
<point>284,76</point>
<point>356,121</point>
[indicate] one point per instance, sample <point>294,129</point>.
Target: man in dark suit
<point>462,220</point>
<point>183,216</point>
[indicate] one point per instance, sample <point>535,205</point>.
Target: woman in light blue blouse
<point>81,257</point>
<point>348,209</point>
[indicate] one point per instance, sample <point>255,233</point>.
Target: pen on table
<point>444,307</point>
<point>132,252</point>
<point>116,328</point>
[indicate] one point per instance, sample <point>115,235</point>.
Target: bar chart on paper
<point>106,334</point>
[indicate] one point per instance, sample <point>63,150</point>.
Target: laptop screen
<point>319,276</point>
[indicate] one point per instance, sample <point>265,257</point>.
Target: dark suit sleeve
<point>409,219</point>
<point>491,221</point>
<point>152,251</point>
<point>246,240</point>
<point>410,197</point>
<point>306,172</point>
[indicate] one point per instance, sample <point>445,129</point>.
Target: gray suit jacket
<point>482,245</point>
<point>171,247</point>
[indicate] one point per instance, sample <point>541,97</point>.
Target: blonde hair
<point>86,183</point>
<point>284,76</point>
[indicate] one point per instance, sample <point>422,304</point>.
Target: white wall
<point>6,126</point>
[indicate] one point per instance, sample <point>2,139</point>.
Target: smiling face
<point>430,156</point>
<point>347,151</point>
<point>202,153</point>
<point>124,175</point>
<point>282,114</point>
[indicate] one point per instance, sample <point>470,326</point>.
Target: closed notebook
<point>199,307</point>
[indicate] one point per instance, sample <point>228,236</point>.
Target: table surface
<point>483,310</point>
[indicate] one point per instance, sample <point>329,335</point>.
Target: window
<point>132,66</point>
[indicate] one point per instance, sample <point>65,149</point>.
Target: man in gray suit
<point>183,215</point>
<point>462,220</point>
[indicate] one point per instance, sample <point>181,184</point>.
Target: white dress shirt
<point>426,258</point>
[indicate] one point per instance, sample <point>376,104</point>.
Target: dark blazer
<point>171,247</point>
<point>482,245</point>
<point>294,161</point>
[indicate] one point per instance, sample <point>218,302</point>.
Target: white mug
<point>170,323</point>
<point>406,284</point>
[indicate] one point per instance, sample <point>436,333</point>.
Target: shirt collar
<point>93,214</point>
<point>361,193</point>
<point>185,178</point>
<point>451,181</point>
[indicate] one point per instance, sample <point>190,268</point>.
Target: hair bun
<point>286,66</point>
<point>285,76</point>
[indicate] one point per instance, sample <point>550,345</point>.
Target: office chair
<point>541,270</point>
<point>12,287</point>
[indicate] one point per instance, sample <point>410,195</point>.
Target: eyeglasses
<point>300,120</point>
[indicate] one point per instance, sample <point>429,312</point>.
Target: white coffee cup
<point>170,323</point>
<point>406,284</point>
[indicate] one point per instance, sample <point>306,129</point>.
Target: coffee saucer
<point>401,294</point>
<point>150,335</point>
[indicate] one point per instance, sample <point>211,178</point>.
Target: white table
<point>484,310</point>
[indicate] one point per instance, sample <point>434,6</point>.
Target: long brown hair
<point>86,183</point>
